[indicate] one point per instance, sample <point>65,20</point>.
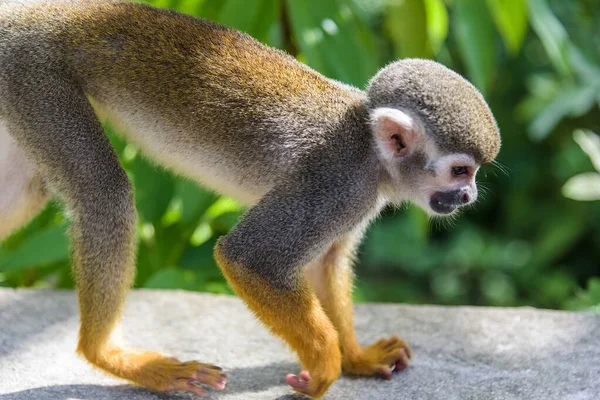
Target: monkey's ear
<point>395,131</point>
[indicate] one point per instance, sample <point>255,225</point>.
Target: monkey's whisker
<point>501,167</point>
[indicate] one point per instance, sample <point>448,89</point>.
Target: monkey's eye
<point>457,171</point>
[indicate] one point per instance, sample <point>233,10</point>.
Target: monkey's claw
<point>191,375</point>
<point>381,358</point>
<point>167,374</point>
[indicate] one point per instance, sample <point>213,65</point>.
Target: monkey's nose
<point>465,198</point>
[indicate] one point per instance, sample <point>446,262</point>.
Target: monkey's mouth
<point>447,202</point>
<point>441,208</point>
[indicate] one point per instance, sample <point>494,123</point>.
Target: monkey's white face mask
<point>417,169</point>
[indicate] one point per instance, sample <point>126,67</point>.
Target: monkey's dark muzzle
<point>446,202</point>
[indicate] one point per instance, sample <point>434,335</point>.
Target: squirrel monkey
<point>315,160</point>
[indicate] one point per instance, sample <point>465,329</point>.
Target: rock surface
<point>460,352</point>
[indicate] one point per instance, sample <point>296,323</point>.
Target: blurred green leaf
<point>498,288</point>
<point>332,37</point>
<point>191,7</point>
<point>224,222</point>
<point>163,3</point>
<point>211,9</point>
<point>588,299</point>
<point>223,205</point>
<point>551,33</point>
<point>586,71</point>
<point>558,232</point>
<point>510,17</point>
<point>543,88</point>
<point>42,248</point>
<point>583,187</point>
<point>195,200</point>
<point>476,39</point>
<point>201,234</point>
<point>573,101</point>
<point>401,242</point>
<point>406,23</point>
<point>50,216</point>
<point>217,287</point>
<point>256,18</point>
<point>201,260</point>
<point>437,23</point>
<point>553,288</point>
<point>448,285</point>
<point>154,189</point>
<point>170,278</point>
<point>590,144</point>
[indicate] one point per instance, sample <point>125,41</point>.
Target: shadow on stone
<point>241,380</point>
<point>82,392</point>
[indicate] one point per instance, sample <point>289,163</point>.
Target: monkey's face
<point>417,170</point>
<point>439,184</point>
<point>448,184</point>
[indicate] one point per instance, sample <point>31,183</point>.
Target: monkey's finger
<point>394,356</point>
<point>392,342</point>
<point>402,363</point>
<point>216,381</point>
<point>408,351</point>
<point>400,366</point>
<point>204,366</point>
<point>189,386</point>
<point>406,357</point>
<point>296,382</point>
<point>210,372</point>
<point>305,376</point>
<point>207,374</point>
<point>385,372</point>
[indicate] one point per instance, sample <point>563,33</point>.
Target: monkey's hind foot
<point>314,384</point>
<point>381,358</point>
<point>160,373</point>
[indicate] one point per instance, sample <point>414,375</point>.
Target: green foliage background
<point>538,64</point>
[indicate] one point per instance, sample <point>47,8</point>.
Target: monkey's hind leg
<point>56,126</point>
<point>332,277</point>
<point>22,191</point>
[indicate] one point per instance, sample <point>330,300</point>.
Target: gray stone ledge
<point>460,352</point>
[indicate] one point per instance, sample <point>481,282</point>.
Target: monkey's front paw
<point>157,372</point>
<point>381,358</point>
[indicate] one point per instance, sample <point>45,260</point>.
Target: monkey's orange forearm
<point>294,315</point>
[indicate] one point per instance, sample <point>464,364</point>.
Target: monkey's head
<point>433,130</point>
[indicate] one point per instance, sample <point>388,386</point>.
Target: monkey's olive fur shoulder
<point>452,109</point>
